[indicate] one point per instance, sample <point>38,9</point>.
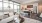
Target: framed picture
<point>29,6</point>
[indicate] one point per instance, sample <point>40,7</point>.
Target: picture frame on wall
<point>29,6</point>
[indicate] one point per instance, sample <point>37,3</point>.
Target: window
<point>11,6</point>
<point>6,5</point>
<point>16,7</point>
<point>0,5</point>
<point>1,13</point>
<point>6,8</point>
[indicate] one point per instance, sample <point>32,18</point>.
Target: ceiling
<point>25,1</point>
